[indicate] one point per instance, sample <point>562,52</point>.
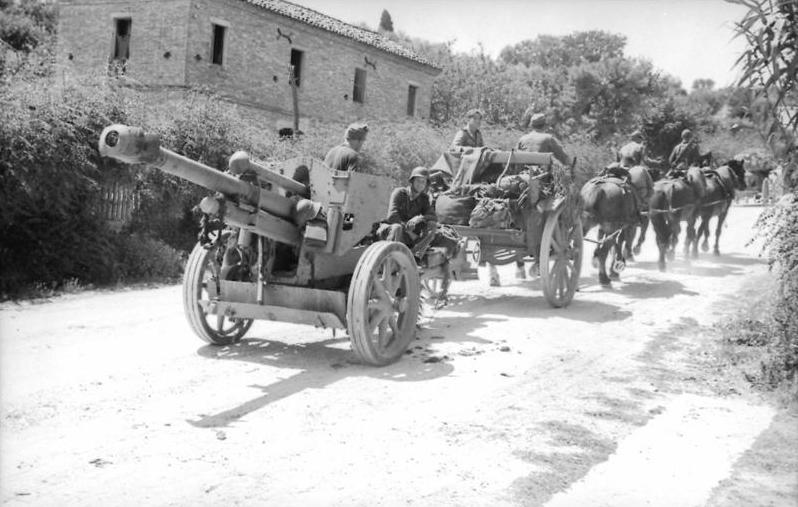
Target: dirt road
<point>108,399</point>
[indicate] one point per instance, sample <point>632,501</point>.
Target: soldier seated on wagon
<point>410,213</point>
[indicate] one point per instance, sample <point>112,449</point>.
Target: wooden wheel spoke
<point>394,325</point>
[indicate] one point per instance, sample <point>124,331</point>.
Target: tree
<point>386,23</point>
<point>565,51</point>
<point>770,65</point>
<point>703,84</point>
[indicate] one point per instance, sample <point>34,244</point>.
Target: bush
<point>145,259</point>
<point>778,227</point>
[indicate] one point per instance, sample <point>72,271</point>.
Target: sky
<point>689,39</point>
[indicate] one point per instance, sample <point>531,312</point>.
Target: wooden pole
<point>295,98</point>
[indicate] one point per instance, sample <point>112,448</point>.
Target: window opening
<point>411,100</point>
<point>122,39</point>
<point>218,44</point>
<point>359,90</point>
<point>296,63</point>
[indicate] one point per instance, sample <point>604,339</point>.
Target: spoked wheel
<point>434,290</point>
<point>201,283</point>
<point>382,304</point>
<point>560,258</point>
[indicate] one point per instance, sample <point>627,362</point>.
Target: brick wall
<point>86,31</point>
<point>255,68</point>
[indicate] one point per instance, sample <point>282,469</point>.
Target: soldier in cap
<point>410,213</point>
<point>346,156</point>
<point>634,152</point>
<point>542,142</point>
<point>469,136</point>
<point>686,153</point>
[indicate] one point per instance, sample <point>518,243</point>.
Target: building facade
<point>244,50</point>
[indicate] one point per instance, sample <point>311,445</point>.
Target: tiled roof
<point>330,24</point>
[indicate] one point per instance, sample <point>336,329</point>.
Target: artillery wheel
<point>382,305</point>
<point>560,258</point>
<point>201,283</point>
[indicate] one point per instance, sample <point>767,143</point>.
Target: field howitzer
<point>301,249</point>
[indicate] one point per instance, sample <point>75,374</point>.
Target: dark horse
<point>608,203</point>
<point>643,183</point>
<point>721,184</point>
<point>674,200</point>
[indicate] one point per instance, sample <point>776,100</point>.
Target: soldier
<point>686,153</point>
<point>542,142</point>
<point>469,136</point>
<point>410,213</point>
<point>634,153</point>
<point>346,156</point>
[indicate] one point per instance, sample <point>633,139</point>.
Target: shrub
<point>778,227</point>
<point>143,259</point>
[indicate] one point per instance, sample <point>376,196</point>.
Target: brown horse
<point>608,203</point>
<point>676,200</point>
<point>721,185</point>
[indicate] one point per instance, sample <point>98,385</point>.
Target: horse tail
<point>659,205</point>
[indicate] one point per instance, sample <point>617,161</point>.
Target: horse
<point>674,200</point>
<point>721,185</point>
<point>643,184</point>
<point>608,203</point>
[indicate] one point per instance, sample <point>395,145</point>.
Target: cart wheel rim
<point>561,258</point>
<point>388,302</point>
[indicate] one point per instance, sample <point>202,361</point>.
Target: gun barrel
<point>134,146</point>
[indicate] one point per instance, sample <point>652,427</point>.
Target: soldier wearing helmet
<point>686,153</point>
<point>410,213</point>
<point>540,141</point>
<point>469,136</point>
<point>346,156</point>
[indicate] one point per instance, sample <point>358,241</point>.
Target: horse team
<point>620,201</point>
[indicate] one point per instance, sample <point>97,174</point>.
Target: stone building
<point>243,49</point>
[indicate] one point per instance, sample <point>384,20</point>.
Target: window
<point>359,91</point>
<point>296,63</point>
<point>217,45</point>
<point>411,100</point>
<point>122,38</point>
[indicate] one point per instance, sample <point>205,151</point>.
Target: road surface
<point>108,399</point>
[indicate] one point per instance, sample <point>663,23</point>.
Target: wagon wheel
<point>201,283</point>
<point>560,258</point>
<point>434,290</point>
<point>382,305</point>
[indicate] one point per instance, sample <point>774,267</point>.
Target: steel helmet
<point>419,172</point>
<point>306,210</point>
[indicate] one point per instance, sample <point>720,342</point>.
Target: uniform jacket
<point>543,142</point>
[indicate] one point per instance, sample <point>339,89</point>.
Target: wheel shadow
<point>654,289</point>
<point>321,363</point>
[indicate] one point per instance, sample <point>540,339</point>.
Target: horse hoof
<point>716,252</point>
<point>605,282</point>
<point>671,255</point>
<point>704,247</point>
<point>636,250</point>
<point>615,276</point>
<point>630,257</point>
<point>595,262</point>
<point>695,254</point>
<point>661,266</point>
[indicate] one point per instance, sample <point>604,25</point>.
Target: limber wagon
<point>548,227</point>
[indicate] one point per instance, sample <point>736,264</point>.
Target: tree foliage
<point>386,23</point>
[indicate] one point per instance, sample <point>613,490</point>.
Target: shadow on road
<point>654,289</point>
<point>322,363</point>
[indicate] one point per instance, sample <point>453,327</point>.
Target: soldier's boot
<point>493,276</point>
<point>520,274</point>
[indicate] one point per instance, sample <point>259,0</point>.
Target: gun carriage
<point>294,242</point>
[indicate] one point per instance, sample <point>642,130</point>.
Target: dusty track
<point>108,399</point>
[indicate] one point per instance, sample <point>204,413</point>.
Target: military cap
<point>418,172</point>
<point>686,134</point>
<point>356,131</point>
<point>637,134</point>
<point>471,113</point>
<point>537,120</point>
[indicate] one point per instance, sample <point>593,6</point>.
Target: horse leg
<point>628,240</point>
<point>643,228</point>
<point>675,229</point>
<point>703,229</point>
<point>599,237</point>
<point>718,228</point>
<point>617,258</point>
<point>602,252</point>
<point>661,233</point>
<point>691,234</point>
